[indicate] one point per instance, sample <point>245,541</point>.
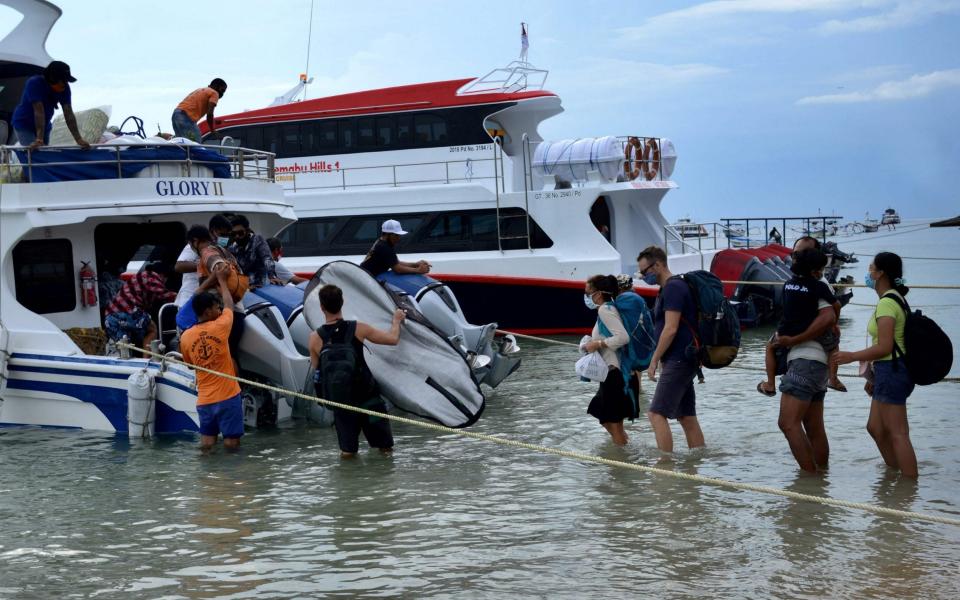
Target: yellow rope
<point>580,456</point>
<point>744,367</point>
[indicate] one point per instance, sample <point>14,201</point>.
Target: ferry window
<point>252,137</point>
<point>347,138</point>
<point>271,138</point>
<point>365,133</point>
<point>404,130</point>
<point>43,274</point>
<point>363,231</point>
<point>430,129</point>
<point>291,140</point>
<point>306,237</point>
<point>446,227</point>
<point>384,132</point>
<point>308,139</point>
<point>327,135</point>
<point>483,226</point>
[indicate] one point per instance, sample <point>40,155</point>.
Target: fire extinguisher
<point>88,285</point>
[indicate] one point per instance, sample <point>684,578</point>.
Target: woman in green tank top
<point>890,384</point>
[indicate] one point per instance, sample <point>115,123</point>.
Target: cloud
<point>917,86</point>
<point>612,73</point>
<point>887,14</point>
<point>902,14</point>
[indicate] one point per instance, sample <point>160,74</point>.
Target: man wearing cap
<point>198,103</point>
<point>32,119</point>
<point>383,256</point>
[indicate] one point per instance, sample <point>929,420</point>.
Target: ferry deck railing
<point>819,226</point>
<point>244,163</point>
<point>392,175</point>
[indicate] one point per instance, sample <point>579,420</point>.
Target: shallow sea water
<point>91,515</point>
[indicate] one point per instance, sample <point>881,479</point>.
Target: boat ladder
<point>4,359</point>
<point>504,221</point>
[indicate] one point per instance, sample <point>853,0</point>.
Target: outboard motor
<point>492,360</point>
<point>267,353</point>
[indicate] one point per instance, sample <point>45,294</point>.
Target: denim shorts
<point>28,136</point>
<point>183,126</point>
<point>805,380</point>
<point>891,386</point>
<point>675,396</point>
<point>224,417</point>
<point>132,324</point>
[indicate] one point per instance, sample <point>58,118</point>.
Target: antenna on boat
<point>524,43</point>
<point>306,71</point>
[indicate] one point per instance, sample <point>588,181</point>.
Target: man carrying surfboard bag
<point>341,373</point>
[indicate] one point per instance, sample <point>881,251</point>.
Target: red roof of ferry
<point>439,94</point>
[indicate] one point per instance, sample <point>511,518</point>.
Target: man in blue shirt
<point>674,316</point>
<point>32,119</point>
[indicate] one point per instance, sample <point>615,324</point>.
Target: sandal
<point>839,387</point>
<point>767,393</point>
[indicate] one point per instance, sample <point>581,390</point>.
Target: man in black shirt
<point>383,255</point>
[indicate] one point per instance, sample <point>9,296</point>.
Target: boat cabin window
<point>43,275</point>
<point>321,137</point>
<point>446,231</point>
<point>366,138</point>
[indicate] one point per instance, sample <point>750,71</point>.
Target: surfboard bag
<point>424,374</point>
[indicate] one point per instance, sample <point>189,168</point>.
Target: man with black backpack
<point>675,354</point>
<point>342,375</point>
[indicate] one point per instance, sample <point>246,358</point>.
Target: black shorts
<point>349,424</point>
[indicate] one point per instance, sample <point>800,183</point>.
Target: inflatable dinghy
<point>425,374</point>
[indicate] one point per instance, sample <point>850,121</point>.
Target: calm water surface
<point>90,515</point>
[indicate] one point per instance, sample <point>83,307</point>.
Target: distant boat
<point>890,217</point>
<point>870,225</point>
<point>688,229</point>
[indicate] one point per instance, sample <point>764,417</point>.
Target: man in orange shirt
<point>199,102</point>
<point>206,345</point>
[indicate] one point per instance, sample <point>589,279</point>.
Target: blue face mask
<point>870,282</point>
<point>588,300</point>
<point>650,279</point>
<point>223,241</point>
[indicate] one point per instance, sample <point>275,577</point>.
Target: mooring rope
<point>580,456</point>
<point>844,285</point>
<point>732,366</point>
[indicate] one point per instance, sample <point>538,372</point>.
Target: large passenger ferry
<point>514,224</point>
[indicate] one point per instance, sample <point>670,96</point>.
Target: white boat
<point>890,217</point>
<point>686,228</point>
<point>512,223</point>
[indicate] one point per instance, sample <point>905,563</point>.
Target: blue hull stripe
<point>87,360</point>
<point>110,401</point>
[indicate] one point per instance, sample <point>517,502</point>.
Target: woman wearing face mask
<point>611,405</point>
<point>32,119</point>
<point>890,384</point>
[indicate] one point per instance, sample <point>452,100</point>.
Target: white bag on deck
<point>592,366</point>
<point>91,124</point>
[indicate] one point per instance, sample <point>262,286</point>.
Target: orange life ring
<point>650,167</point>
<point>631,158</point>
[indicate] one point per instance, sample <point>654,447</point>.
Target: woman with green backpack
<point>888,381</point>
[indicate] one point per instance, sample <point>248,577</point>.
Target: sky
<point>776,107</point>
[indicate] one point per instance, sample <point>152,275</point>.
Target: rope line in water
<point>579,456</point>
<point>844,285</point>
<point>744,367</point>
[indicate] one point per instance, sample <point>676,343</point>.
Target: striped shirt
<point>141,291</point>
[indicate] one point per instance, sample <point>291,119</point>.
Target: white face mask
<point>588,300</point>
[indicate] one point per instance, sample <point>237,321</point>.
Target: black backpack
<point>716,336</point>
<point>928,352</point>
<point>341,376</point>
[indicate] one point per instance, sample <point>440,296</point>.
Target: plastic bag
<point>592,366</point>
